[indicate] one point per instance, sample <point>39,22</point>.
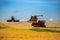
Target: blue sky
<point>24,9</point>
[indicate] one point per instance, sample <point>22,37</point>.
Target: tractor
<point>12,19</point>
<point>36,22</point>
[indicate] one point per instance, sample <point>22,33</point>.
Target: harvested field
<point>17,24</point>
<point>28,24</point>
<point>53,24</point>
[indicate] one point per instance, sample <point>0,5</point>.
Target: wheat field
<point>24,34</point>
<point>16,31</point>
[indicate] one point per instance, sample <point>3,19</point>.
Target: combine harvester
<point>12,19</point>
<point>36,22</point>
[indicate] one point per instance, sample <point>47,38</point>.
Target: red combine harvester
<point>37,23</point>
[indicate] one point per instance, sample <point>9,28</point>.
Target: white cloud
<point>23,20</point>
<point>51,19</point>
